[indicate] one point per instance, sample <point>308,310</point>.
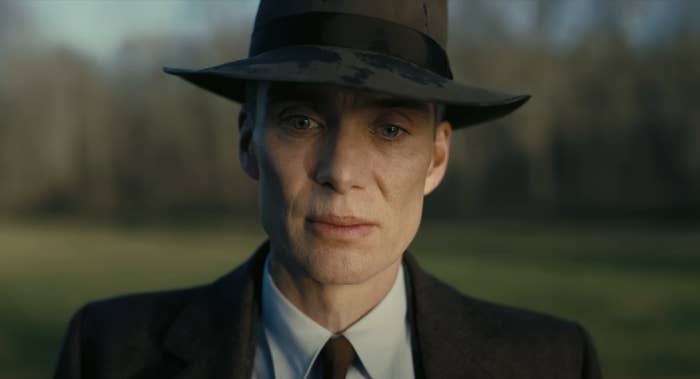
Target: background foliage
<point>612,126</point>
<point>585,203</point>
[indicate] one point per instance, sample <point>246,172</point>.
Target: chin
<point>342,265</point>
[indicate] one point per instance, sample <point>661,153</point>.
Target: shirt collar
<point>295,339</point>
<point>382,334</point>
<point>378,337</point>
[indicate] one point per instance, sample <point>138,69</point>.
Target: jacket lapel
<point>449,331</point>
<point>215,335</point>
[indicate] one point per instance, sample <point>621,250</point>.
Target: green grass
<point>634,287</point>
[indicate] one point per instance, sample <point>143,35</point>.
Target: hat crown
<point>395,47</point>
<point>426,16</point>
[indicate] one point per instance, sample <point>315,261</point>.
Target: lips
<point>340,227</point>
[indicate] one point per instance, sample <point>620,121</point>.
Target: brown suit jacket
<point>211,331</point>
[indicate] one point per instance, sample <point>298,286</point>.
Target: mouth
<point>339,227</point>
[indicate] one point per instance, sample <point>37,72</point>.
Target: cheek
<point>278,164</point>
<point>407,199</point>
<point>402,177</point>
<point>282,179</point>
<point>403,181</point>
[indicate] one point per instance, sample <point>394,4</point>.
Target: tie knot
<point>336,356</point>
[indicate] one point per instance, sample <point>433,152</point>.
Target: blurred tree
<point>612,123</point>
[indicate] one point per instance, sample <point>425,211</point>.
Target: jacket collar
<point>451,331</point>
<point>216,333</point>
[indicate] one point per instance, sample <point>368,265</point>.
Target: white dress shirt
<point>290,341</point>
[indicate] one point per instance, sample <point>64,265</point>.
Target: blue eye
<point>299,122</point>
<point>391,131</point>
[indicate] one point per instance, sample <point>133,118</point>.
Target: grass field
<point>635,287</point>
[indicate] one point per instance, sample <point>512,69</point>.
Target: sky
<point>98,27</point>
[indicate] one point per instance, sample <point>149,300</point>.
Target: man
<point>348,112</point>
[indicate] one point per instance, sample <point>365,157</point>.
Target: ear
<point>441,154</point>
<point>246,152</point>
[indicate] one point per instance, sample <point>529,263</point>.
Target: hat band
<point>352,31</point>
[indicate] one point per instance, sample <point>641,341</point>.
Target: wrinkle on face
<point>345,168</point>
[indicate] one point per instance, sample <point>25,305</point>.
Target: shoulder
<point>433,292</point>
<point>132,317</point>
<point>149,314</point>
<point>148,332</point>
<point>503,341</point>
<point>122,329</point>
<point>455,307</point>
<point>509,320</point>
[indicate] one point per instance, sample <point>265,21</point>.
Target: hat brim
<point>465,105</point>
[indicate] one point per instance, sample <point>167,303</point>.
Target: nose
<point>342,160</point>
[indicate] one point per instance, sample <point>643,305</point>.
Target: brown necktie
<point>336,356</point>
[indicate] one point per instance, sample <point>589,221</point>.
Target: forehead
<point>326,95</point>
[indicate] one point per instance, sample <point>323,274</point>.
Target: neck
<point>334,306</point>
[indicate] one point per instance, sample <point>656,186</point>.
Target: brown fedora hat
<point>390,46</point>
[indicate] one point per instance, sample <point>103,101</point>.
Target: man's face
<point>342,175</point>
